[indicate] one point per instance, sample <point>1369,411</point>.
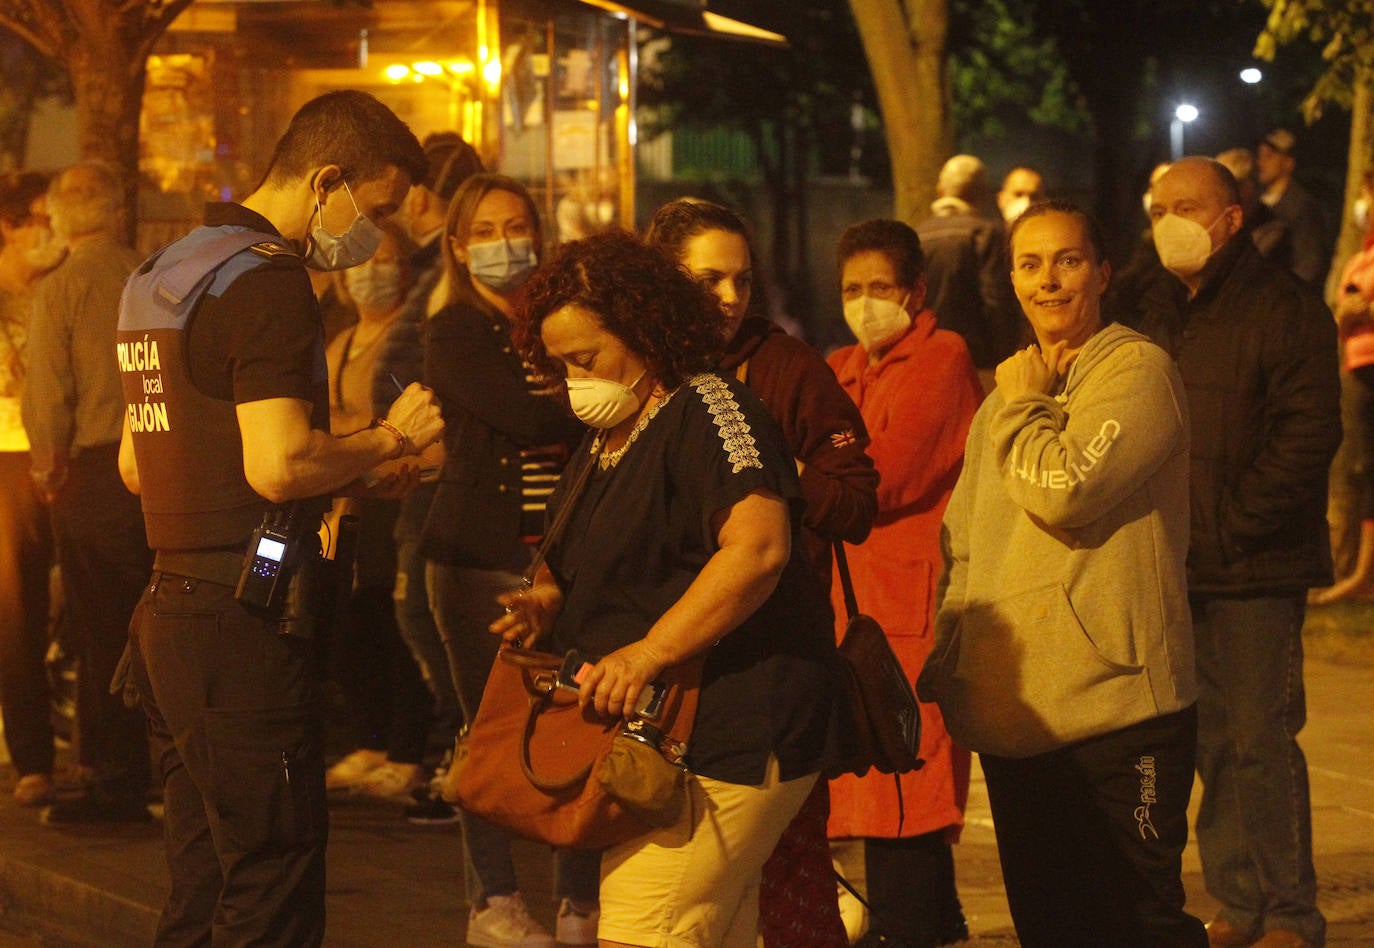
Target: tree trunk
<point>1357,163</point>
<point>107,85</point>
<point>905,46</point>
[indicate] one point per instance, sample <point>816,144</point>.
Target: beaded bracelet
<point>402,441</point>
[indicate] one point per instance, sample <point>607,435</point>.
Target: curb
<point>69,912</point>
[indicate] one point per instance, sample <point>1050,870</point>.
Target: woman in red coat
<point>917,390</point>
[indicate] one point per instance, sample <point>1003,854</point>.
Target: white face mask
<point>502,264</point>
<point>341,251</point>
<point>1359,212</point>
<point>374,286</point>
<point>876,323</point>
<point>1184,246</point>
<point>1014,208</point>
<point>602,403</point>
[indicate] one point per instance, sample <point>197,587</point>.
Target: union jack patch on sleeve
<point>843,439</point>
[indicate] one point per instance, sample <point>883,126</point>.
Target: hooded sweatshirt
<point>1063,610</point>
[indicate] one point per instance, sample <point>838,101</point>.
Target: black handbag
<point>879,717</point>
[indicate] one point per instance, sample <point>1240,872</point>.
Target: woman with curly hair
<point>679,546</point>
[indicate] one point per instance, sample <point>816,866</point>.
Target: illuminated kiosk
<point>544,89</point>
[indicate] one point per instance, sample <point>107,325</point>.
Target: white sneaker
<point>390,781</point>
<point>577,923</point>
<point>506,923</point>
<point>353,768</point>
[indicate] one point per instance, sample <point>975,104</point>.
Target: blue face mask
<point>340,251</point>
<point>502,265</point>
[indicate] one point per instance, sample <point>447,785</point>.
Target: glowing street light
<point>1185,113</point>
<point>1251,76</point>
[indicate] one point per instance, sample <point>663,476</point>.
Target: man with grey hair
<point>74,412</point>
<point>967,279</point>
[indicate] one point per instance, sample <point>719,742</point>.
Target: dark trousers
<point>388,705</point>
<point>233,711</point>
<point>911,890</point>
<point>1091,837</point>
<point>105,562</point>
<point>25,563</point>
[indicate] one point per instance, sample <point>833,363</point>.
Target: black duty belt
<point>212,566</point>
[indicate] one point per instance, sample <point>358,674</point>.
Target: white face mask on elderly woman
<point>602,403</point>
<point>876,322</point>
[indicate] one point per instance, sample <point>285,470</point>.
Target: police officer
<point>221,355</point>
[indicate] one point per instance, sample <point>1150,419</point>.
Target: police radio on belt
<point>273,553</point>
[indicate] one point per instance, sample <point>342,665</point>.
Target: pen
<point>396,382</point>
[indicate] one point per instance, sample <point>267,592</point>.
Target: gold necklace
<point>609,459</point>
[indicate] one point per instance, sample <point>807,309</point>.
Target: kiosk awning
<point>682,18</point>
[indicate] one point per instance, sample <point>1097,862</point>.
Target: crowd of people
<point>1087,509</point>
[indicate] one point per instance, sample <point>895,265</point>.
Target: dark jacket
<point>968,284</point>
<point>1310,248</point>
<point>1257,351</point>
<point>823,430</point>
<point>490,413</point>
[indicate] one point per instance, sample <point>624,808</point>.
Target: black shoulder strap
<point>560,519</point>
<point>851,603</point>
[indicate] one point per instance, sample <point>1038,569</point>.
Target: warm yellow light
<point>491,72</point>
<point>396,72</point>
<point>428,68</point>
<point>460,67</point>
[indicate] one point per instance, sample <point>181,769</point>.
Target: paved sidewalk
<point>395,884</point>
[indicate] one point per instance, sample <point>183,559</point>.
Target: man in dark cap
<point>1292,204</point>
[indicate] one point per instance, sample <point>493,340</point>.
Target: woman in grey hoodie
<point>1064,649</point>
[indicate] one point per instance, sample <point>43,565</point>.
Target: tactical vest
<point>188,446</point>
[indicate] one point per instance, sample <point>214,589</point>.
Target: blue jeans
<point>1254,826</point>
<point>413,614</point>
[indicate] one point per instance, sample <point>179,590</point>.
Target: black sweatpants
<point>1091,837</point>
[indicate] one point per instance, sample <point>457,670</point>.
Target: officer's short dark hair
<point>350,129</point>
<point>895,240</point>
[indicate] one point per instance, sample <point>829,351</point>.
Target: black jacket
<point>968,284</point>
<point>1257,351</point>
<point>490,413</point>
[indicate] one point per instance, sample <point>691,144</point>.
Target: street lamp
<point>1185,113</point>
<point>1251,76</point>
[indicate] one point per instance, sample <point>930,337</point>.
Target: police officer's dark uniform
<point>231,696</point>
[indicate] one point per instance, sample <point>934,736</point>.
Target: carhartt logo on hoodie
<point>1076,473</point>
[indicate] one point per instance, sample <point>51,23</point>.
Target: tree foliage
<point>1001,66</point>
<point>1343,29</point>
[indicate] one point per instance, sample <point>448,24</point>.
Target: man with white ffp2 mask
<point>1257,351</point>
